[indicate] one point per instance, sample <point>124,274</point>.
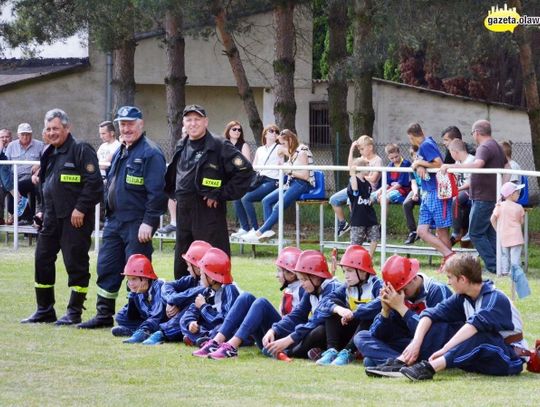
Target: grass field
<point>43,365</point>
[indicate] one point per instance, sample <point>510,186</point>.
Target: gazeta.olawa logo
<point>507,19</point>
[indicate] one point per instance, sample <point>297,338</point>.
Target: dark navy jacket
<point>148,306</point>
<point>138,173</point>
<point>181,292</point>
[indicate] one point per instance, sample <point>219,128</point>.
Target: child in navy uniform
<point>203,318</point>
<point>179,294</point>
<point>406,293</point>
<point>252,317</point>
<point>364,224</point>
<point>353,305</point>
<point>145,309</point>
<point>491,337</point>
<point>303,329</point>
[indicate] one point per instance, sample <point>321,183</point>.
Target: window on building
<point>319,128</point>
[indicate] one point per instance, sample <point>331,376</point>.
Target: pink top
<point>509,216</point>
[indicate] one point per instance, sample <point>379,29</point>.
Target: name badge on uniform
<point>75,179</point>
<point>133,180</point>
<point>212,183</point>
<point>69,165</point>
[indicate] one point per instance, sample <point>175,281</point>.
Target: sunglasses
<point>273,131</point>
<point>236,129</point>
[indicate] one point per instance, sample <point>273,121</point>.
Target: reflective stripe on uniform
<point>133,180</point>
<point>37,285</point>
<point>76,179</point>
<point>79,289</point>
<point>213,183</point>
<point>105,294</point>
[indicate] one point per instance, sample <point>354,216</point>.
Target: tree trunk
<point>175,81</point>
<point>285,104</point>
<point>123,75</point>
<point>244,90</point>
<point>337,85</point>
<point>364,115</point>
<point>530,85</point>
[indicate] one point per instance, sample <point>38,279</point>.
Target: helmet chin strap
<point>317,288</point>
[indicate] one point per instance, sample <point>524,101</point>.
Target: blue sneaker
<point>157,338</point>
<point>327,357</point>
<point>140,335</point>
<point>121,331</point>
<point>344,357</point>
<point>21,205</point>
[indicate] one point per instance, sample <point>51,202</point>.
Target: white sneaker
<point>239,233</point>
<point>250,236</point>
<point>267,235</point>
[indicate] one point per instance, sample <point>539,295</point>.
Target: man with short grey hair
<point>5,139</point>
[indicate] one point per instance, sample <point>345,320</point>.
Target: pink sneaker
<point>207,348</point>
<point>224,351</point>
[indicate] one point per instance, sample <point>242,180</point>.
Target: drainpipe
<point>108,87</point>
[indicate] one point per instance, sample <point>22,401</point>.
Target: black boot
<point>104,316</point>
<point>45,307</point>
<point>74,309</point>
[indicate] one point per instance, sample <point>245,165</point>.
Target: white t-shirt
<point>105,152</point>
<point>263,153</point>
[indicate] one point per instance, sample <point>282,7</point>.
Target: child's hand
<point>344,313</point>
<point>171,310</point>
<point>411,352</point>
<point>193,327</point>
<point>352,170</point>
<point>268,338</point>
<point>200,301</point>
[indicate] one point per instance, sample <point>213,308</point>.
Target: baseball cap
<point>509,188</point>
<point>194,108</point>
<point>24,128</point>
<point>128,113</point>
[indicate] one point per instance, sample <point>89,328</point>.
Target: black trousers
<point>196,221</point>
<point>316,338</point>
<point>59,234</point>
<point>340,336</point>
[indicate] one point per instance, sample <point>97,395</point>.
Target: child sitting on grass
<point>206,314</point>
<point>179,294</point>
<point>145,309</point>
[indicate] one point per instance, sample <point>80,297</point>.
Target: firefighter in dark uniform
<point>71,186</point>
<point>134,201</point>
<point>205,172</point>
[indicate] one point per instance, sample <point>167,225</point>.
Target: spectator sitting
<point>399,183</point>
<point>5,139</point>
<point>449,134</point>
<point>461,205</point>
<point>507,148</point>
<point>298,183</point>
<point>413,199</point>
<point>266,154</point>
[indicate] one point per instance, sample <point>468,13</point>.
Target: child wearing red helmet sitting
<point>405,294</point>
<point>206,314</point>
<point>145,310</point>
<point>303,329</point>
<point>251,317</point>
<point>179,294</point>
<point>353,307</point>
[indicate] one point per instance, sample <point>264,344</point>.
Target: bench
<point>27,230</point>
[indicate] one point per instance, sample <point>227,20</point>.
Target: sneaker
<point>466,238</point>
<point>140,335</point>
<point>267,235</point>
<point>9,220</point>
<point>419,371</point>
<point>21,205</point>
<point>207,348</point>
<point>199,343</point>
<point>239,232</point>
<point>157,338</point>
<point>413,237</point>
<point>390,368</point>
<point>187,341</point>
<point>344,357</point>
<point>343,227</point>
<point>250,237</point>
<point>327,357</point>
<point>224,351</point>
<point>314,354</point>
<point>121,331</point>
<point>167,229</point>
<point>280,356</point>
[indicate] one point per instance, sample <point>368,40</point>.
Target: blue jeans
<point>482,234</point>
<point>271,204</point>
<point>339,198</point>
<point>245,210</point>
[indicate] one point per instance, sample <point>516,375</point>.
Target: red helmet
<point>196,251</point>
<point>399,271</point>
<point>288,257</point>
<point>216,264</point>
<point>138,265</point>
<point>314,263</point>
<point>533,365</point>
<point>358,258</point>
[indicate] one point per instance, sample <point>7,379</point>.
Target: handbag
<point>259,179</point>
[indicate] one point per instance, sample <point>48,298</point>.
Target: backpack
<point>447,188</point>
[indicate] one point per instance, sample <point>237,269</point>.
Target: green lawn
<point>44,365</point>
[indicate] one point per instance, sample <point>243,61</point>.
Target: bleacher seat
<point>318,191</point>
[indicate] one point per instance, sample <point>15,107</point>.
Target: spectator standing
<point>108,148</point>
<point>507,148</point>
<point>134,201</point>
<point>449,134</point>
<point>489,154</point>
<point>412,199</point>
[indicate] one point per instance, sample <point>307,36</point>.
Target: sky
<point>70,48</point>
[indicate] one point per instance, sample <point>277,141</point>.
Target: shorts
<point>432,209</point>
<point>359,234</point>
<point>394,197</point>
<point>340,198</point>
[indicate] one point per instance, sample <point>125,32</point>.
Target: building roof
<point>14,71</point>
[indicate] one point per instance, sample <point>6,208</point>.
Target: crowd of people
<point>403,324</point>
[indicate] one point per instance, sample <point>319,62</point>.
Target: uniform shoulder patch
<point>238,162</point>
<point>90,168</point>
